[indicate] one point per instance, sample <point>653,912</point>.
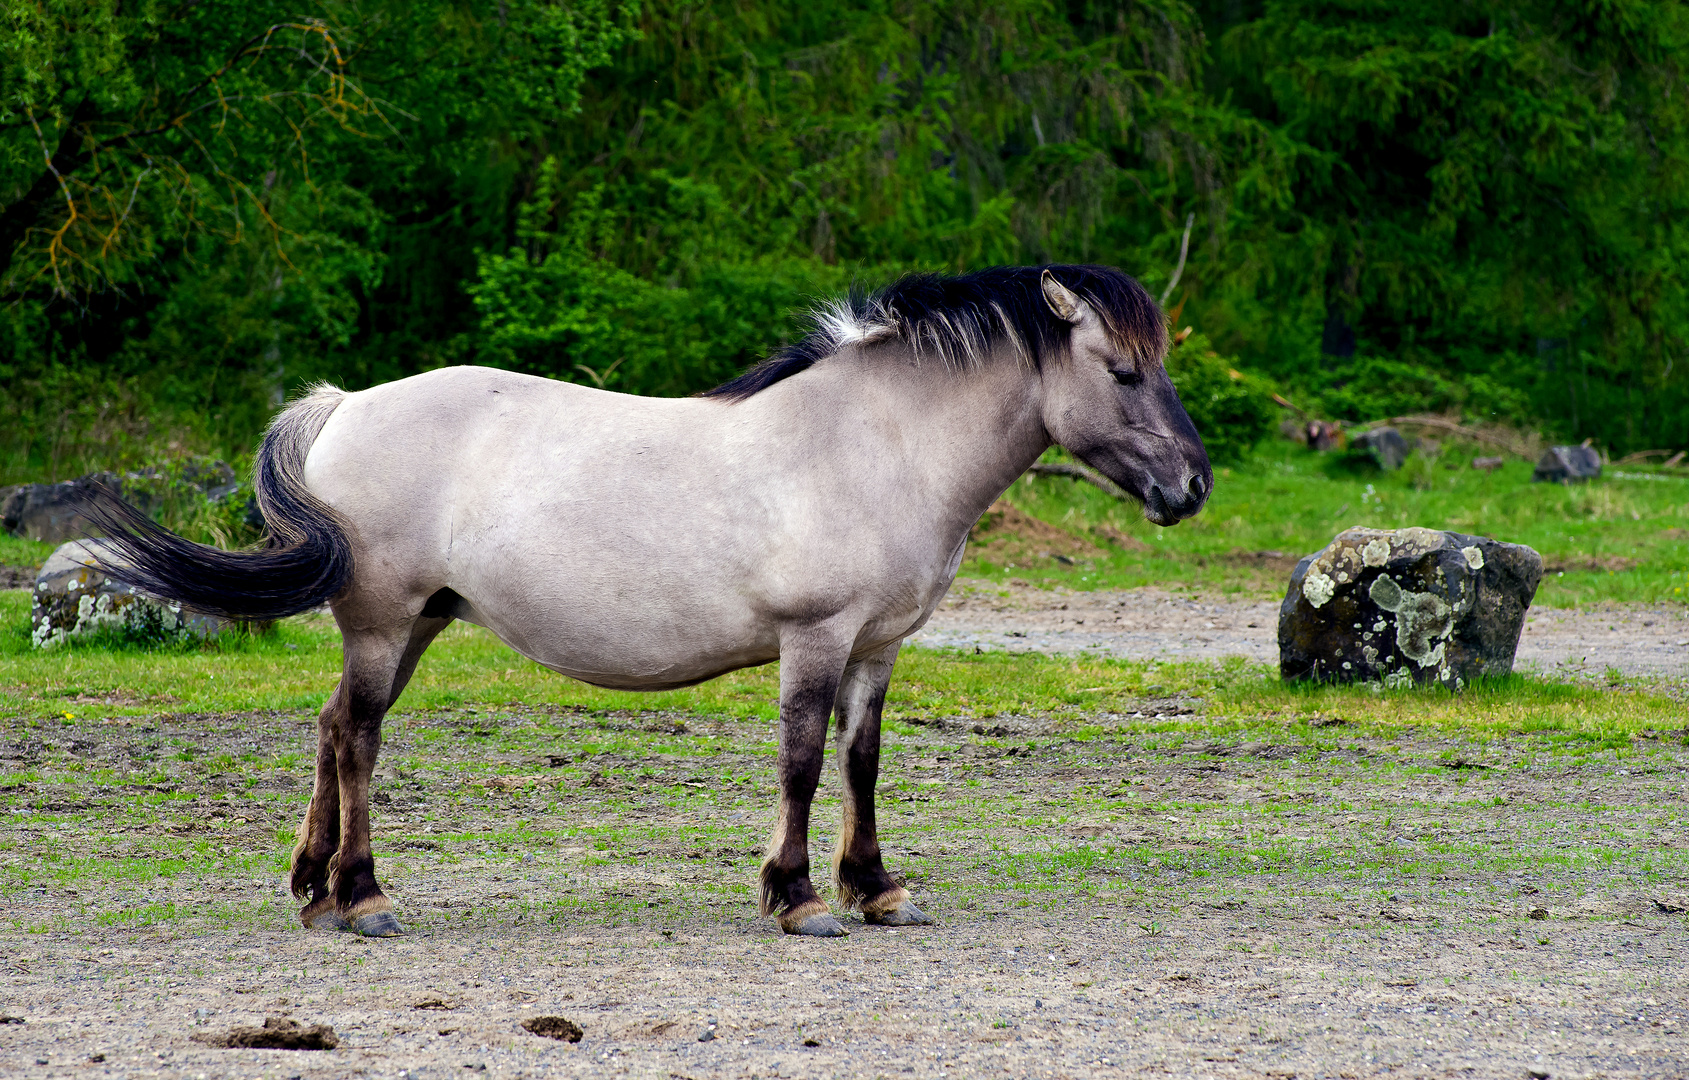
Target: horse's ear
<point>1061,299</point>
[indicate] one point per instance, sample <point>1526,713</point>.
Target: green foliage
<point>1473,207</point>
<point>1232,411</point>
<point>1492,190</point>
<point>556,306</point>
<point>231,192</point>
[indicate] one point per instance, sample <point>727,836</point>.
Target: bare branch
<point>1178,271</point>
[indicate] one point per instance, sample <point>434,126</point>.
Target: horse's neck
<point>971,433</point>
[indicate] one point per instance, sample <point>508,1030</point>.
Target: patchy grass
<point>297,666</point>
<point>1623,538</point>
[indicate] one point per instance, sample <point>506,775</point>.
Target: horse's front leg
<point>860,874</point>
<point>810,666</point>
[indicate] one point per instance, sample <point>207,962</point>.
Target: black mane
<point>962,318</point>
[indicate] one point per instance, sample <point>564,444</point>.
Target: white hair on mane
<point>844,325</point>
<point>958,342</point>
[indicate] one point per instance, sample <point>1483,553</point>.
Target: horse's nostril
<point>1197,487</point>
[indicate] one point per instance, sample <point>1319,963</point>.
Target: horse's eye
<point>1126,378</point>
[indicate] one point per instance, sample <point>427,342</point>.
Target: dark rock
<point>1488,464</point>
<point>1385,444</point>
<point>73,598</point>
<point>49,512</point>
<point>278,1033</point>
<point>554,1027</point>
<point>1567,464</point>
<point>18,577</point>
<point>1408,606</point>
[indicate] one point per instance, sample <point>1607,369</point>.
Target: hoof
<point>904,914</point>
<point>377,924</point>
<point>818,925</point>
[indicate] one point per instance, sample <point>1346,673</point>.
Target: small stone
<point>554,1027</point>
<point>1567,465</point>
<point>1386,445</point>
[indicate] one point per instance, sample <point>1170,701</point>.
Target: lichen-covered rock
<point>1567,465</point>
<point>73,598</point>
<point>1406,606</point>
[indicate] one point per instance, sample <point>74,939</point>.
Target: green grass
<point>297,666</point>
<point>1622,538</point>
<point>17,551</point>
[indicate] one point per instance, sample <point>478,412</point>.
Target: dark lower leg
<point>352,882</point>
<point>377,668</point>
<point>806,704</point>
<point>858,870</point>
<point>857,867</point>
<point>319,832</point>
<point>785,872</point>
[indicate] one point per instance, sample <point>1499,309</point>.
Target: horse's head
<point>1108,400</point>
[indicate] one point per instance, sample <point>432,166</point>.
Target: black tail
<point>306,559</point>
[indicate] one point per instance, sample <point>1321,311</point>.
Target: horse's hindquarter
<point>630,542</point>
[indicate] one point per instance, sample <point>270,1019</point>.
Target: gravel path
<point>1153,624</point>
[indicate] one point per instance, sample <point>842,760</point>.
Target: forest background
<point>1453,205</point>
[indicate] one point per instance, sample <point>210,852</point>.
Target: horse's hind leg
<point>319,832</point>
<point>332,864</point>
<point>858,871</point>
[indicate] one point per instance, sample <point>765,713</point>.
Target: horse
<point>813,511</point>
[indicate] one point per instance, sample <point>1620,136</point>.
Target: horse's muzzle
<point>1170,511</point>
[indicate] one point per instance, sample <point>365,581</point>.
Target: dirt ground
<point>1152,624</point>
<point>1297,901</point>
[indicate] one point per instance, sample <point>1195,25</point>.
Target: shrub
<point>1232,410</point>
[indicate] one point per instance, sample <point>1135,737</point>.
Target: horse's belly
<point>630,647</point>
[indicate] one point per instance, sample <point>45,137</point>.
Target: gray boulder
<point>1387,446</point>
<point>1567,465</point>
<point>73,598</point>
<point>46,511</point>
<point>49,511</point>
<point>1406,606</point>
